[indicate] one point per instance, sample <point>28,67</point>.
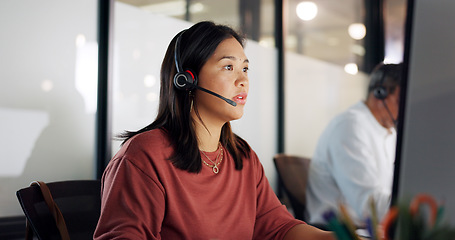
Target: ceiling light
<point>351,68</point>
<point>197,8</point>
<point>307,10</point>
<point>358,49</point>
<point>357,31</point>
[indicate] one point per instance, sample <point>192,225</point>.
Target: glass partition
<point>318,86</point>
<point>324,54</point>
<point>48,94</point>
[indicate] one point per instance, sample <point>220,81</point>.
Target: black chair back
<point>78,200</point>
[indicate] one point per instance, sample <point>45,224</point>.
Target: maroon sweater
<point>145,197</point>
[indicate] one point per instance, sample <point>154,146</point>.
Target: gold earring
<point>191,97</point>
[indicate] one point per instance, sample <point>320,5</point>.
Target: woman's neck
<point>208,137</point>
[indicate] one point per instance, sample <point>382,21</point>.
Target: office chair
<point>78,200</point>
<point>293,174</point>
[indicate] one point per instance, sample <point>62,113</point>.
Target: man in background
<point>354,157</point>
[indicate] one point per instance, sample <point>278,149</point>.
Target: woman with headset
<point>187,175</point>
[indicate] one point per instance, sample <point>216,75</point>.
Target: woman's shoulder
<point>154,138</point>
<point>143,155</point>
<point>146,144</point>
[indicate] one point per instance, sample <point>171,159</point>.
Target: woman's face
<point>225,73</point>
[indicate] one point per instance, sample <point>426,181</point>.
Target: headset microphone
<point>187,80</point>
<point>395,122</point>
<point>216,95</point>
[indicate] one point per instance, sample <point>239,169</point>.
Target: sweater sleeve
<point>273,220</point>
<point>132,203</point>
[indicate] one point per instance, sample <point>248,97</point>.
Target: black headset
<point>380,92</point>
<point>183,79</point>
<point>186,79</point>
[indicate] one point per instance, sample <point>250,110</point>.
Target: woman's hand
<point>308,232</point>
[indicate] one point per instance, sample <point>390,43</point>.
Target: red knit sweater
<point>145,197</point>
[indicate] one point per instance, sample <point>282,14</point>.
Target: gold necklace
<point>215,165</point>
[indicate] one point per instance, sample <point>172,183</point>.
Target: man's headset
<point>380,92</point>
<point>186,79</point>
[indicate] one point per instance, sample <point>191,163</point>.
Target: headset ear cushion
<point>380,93</point>
<point>185,80</point>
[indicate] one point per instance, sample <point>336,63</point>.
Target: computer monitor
<point>425,157</point>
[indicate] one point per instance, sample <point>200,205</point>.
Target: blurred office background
<point>71,79</point>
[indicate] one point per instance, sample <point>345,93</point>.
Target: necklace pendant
<point>215,169</point>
